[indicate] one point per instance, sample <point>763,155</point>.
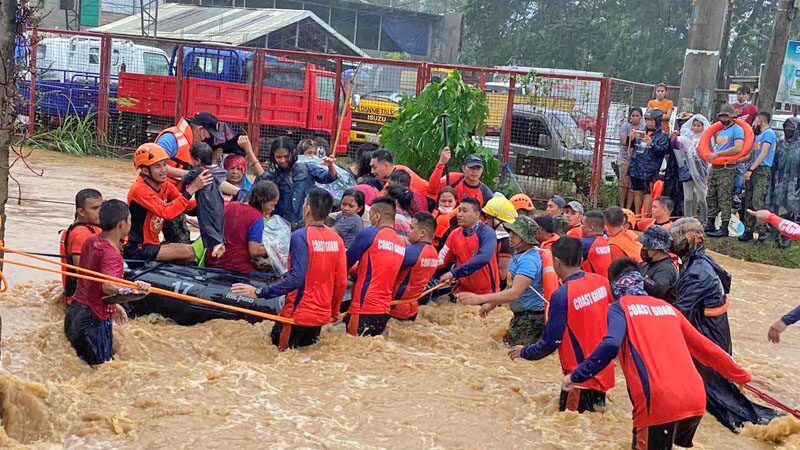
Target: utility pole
<point>725,50</point>
<point>776,51</point>
<point>701,62</point>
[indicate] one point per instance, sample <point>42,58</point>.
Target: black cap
<point>209,122</point>
<point>473,161</point>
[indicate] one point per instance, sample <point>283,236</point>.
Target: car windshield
<point>569,131</point>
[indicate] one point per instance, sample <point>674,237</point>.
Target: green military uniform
<point>755,197</point>
<point>720,192</point>
<point>560,225</point>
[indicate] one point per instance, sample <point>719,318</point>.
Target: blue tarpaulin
<point>411,36</point>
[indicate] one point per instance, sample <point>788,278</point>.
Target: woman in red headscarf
<point>236,166</point>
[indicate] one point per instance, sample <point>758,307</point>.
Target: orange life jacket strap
<point>719,310</point>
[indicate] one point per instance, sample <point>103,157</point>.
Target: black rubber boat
<point>208,284</point>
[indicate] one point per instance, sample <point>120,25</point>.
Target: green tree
<point>416,136</point>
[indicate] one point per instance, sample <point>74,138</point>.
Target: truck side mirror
<point>544,141</point>
<point>356,100</point>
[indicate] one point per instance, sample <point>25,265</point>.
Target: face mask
<point>757,131</point>
<point>725,122</point>
<point>446,209</point>
<point>681,250</point>
<point>645,255</point>
<point>788,132</point>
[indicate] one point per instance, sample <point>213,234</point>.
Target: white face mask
<point>446,209</point>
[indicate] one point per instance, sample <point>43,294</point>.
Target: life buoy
<point>549,278</point>
<point>704,148</point>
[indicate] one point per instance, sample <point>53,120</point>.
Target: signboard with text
<point>789,86</point>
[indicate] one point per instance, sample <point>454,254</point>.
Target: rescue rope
<point>104,278</point>
<point>772,401</point>
<point>423,294</point>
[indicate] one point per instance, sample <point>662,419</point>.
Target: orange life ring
<point>704,148</point>
<point>549,279</point>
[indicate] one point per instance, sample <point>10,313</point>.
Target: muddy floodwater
<point>444,381</point>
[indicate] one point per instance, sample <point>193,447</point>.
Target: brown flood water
<point>442,382</point>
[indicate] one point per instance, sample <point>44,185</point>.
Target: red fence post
<point>179,84</point>
<point>603,104</point>
<point>338,87</point>
<point>32,85</point>
<point>512,86</point>
<point>103,94</point>
<point>256,92</point>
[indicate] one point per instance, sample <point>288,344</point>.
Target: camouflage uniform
<point>720,192</point>
<point>755,197</point>
<point>525,328</point>
<point>176,231</point>
<point>560,225</point>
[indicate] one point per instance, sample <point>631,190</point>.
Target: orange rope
<point>4,286</point>
<point>409,300</point>
<point>103,278</point>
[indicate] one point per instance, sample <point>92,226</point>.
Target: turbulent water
<point>442,382</point>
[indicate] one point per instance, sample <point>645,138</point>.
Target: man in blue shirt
<point>758,174</point>
<point>727,142</point>
<point>525,294</point>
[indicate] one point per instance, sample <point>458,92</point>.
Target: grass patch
<point>764,253</point>
<point>75,136</point>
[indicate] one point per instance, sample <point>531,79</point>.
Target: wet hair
<point>427,222</point>
<point>666,201</point>
<point>358,196</point>
<point>568,250</point>
<point>363,165</point>
<point>743,89</point>
<point>203,153</point>
<point>476,205</point>
<point>384,206</point>
<point>282,142</point>
<point>635,109</point>
<point>766,115</point>
<point>620,267</point>
<point>400,177</point>
<point>545,223</point>
<point>382,155</point>
<point>84,194</point>
<point>303,145</point>
<point>371,181</point>
<point>320,202</point>
<point>687,233</point>
<point>596,219</point>
<point>112,212</point>
<point>615,216</point>
<point>446,190</point>
<point>262,192</point>
<point>401,195</point>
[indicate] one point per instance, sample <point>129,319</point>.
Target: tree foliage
<point>416,136</point>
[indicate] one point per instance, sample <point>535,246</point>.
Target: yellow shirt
<point>666,107</point>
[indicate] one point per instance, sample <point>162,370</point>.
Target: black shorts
<point>91,338</point>
<point>662,436</point>
<point>297,336</point>
<point>582,400</point>
<point>367,324</point>
<point>143,252</point>
<point>640,185</point>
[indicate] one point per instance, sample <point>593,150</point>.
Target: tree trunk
<point>8,92</point>
<point>770,78</point>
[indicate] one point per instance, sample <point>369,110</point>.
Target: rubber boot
<point>722,232</point>
<point>747,236</point>
<point>710,226</point>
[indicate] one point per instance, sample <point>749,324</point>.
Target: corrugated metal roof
<point>234,26</point>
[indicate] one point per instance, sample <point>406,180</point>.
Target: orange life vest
<point>184,136</point>
<point>70,283</point>
<point>549,278</point>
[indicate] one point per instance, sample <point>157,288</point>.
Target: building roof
<point>234,26</point>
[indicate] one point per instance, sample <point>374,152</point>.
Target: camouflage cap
<point>728,110</point>
<point>525,228</point>
<point>656,238</point>
<point>560,224</point>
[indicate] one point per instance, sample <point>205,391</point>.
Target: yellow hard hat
<point>501,208</point>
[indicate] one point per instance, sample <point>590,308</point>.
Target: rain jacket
<point>690,166</point>
<point>646,161</point>
<point>705,284</point>
<point>293,185</point>
<point>784,198</point>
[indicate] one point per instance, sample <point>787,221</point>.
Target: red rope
<point>772,401</point>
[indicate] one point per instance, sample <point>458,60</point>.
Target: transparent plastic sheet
<point>344,181</point>
<point>276,237</point>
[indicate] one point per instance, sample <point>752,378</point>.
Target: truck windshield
<point>285,75</point>
<point>155,64</point>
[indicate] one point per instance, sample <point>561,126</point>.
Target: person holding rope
<point>656,346</point>
<point>419,265</point>
<point>576,323</point>
<point>525,294</point>
<point>85,225</point>
<point>153,201</point>
<point>88,320</point>
<point>316,280</point>
<point>379,252</point>
<point>703,291</point>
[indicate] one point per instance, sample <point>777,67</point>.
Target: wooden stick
<point>348,93</point>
